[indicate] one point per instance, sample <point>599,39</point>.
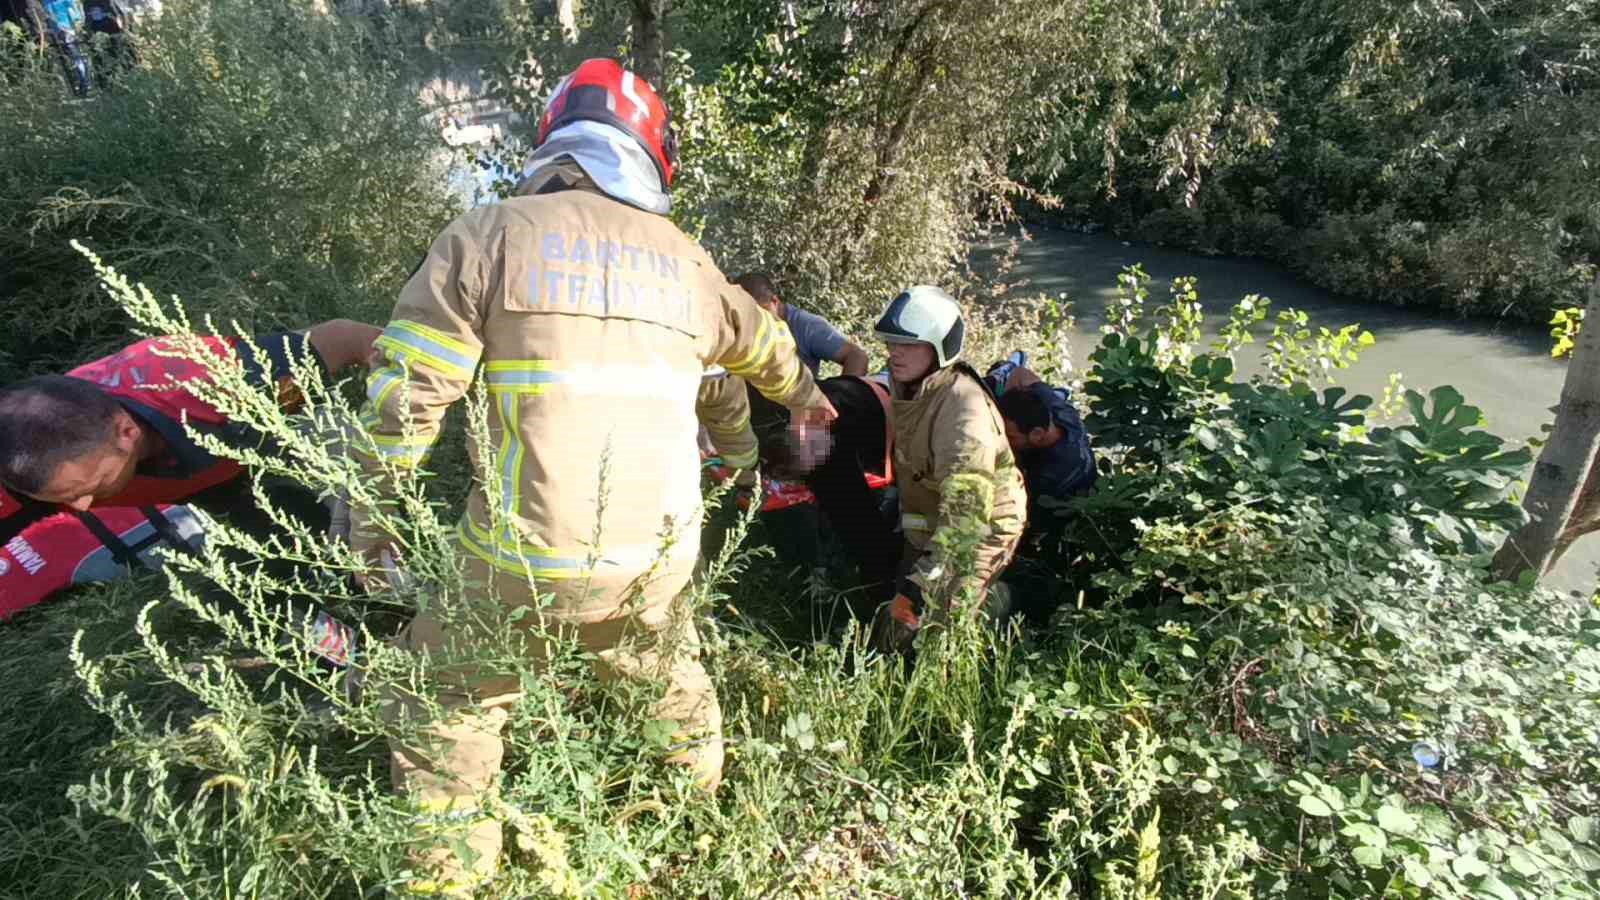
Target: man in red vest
<point>94,463</point>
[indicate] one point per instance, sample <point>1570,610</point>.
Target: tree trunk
<point>889,148</point>
<point>893,125</point>
<point>567,14</point>
<point>650,42</point>
<point>1562,474</point>
<point>1585,516</point>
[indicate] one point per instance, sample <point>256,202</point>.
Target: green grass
<point>845,774</point>
<point>54,740</point>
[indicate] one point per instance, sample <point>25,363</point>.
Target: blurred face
<point>99,475</point>
<point>773,306</point>
<point>909,363</point>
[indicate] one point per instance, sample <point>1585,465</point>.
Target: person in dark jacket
<point>1047,435</point>
<point>110,44</point>
<point>1052,449</point>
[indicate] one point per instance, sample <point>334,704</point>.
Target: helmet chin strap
<point>612,159</point>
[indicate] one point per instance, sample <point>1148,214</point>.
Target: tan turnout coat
<point>593,323</point>
<point>950,443</point>
<point>723,408</point>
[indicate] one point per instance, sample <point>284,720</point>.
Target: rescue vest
<point>147,379</point>
<point>65,549</point>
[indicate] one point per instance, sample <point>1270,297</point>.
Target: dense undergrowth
<point>1278,669</point>
<point>273,166</point>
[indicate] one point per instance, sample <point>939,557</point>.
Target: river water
<point>1504,369</point>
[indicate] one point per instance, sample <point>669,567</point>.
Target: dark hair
<point>1024,409</point>
<point>759,285</point>
<point>47,421</point>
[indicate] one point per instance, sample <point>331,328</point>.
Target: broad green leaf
<point>1522,862</point>
<point>1396,820</point>
<point>1555,840</point>
<point>1468,865</point>
<point>1315,806</point>
<point>1366,834</point>
<point>1330,794</point>
<point>1416,872</point>
<point>1582,829</point>
<point>1587,858</point>
<point>1492,886</point>
<point>1371,857</point>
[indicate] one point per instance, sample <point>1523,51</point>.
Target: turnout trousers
<point>453,776</point>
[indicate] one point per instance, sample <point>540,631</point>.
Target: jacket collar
<point>184,457</point>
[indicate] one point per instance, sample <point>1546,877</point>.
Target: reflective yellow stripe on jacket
<point>729,434</point>
<point>510,384</point>
<point>539,376</point>
<point>519,557</point>
<point>395,448</point>
<point>414,342</point>
<point>770,335</point>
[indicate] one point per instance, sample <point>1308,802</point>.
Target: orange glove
<point>902,611</point>
<point>895,629</point>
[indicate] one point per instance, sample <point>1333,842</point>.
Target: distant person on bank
<point>54,23</point>
<point>112,47</point>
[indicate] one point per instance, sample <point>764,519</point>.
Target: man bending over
<point>94,464</point>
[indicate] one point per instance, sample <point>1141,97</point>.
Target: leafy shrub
<point>265,161</point>
<point>1301,596</point>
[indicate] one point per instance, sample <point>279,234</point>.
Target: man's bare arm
<point>342,342</point>
<point>851,358</point>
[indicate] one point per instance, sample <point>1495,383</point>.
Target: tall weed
<point>262,160</point>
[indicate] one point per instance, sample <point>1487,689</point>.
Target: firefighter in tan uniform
<point>723,408</point>
<point>951,460</point>
<point>593,319</point>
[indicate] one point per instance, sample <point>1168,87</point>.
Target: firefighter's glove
<point>899,621</point>
<point>375,549</point>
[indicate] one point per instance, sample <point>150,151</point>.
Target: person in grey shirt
<point>817,340</point>
<point>815,336</point>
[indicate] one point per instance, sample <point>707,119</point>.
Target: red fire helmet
<point>601,90</point>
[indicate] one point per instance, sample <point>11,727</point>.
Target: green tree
<point>856,147</point>
<point>1423,152</point>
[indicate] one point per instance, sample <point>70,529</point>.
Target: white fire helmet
<point>925,314</point>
